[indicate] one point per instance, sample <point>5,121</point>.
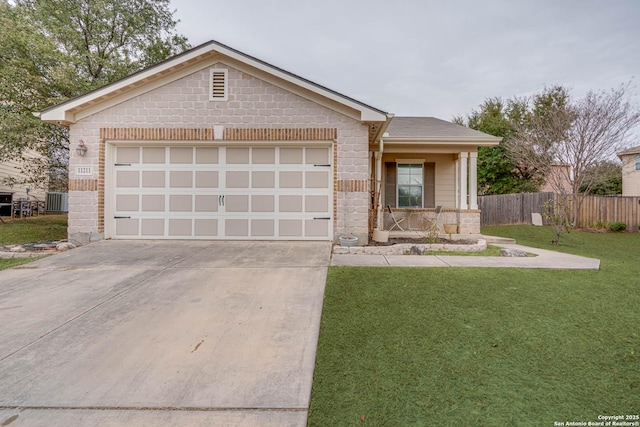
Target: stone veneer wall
<point>252,104</point>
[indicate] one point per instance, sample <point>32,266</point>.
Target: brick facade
<point>255,110</point>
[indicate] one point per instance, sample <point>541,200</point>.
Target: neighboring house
<point>216,144</point>
<point>559,180</point>
<point>11,190</point>
<point>630,171</point>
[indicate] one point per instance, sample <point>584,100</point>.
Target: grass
<point>483,346</point>
<point>36,229</point>
<point>28,230</point>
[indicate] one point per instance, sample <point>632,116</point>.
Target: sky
<point>431,58</point>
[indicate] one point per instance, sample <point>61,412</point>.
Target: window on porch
<point>638,163</point>
<point>409,184</point>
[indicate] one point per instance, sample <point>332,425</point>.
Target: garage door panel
<point>152,227</point>
<point>206,179</point>
<point>206,227</point>
<point>206,155</point>
<point>127,226</point>
<point>180,227</point>
<point>236,227</point>
<point>153,203</point>
<point>181,179</point>
<point>127,202</point>
<point>290,227</point>
<point>263,227</point>
<point>180,203</point>
<point>128,155</point>
<point>265,192</point>
<point>290,204</point>
<point>262,203</point>
<point>153,179</point>
<point>318,179</point>
<point>181,155</point>
<point>291,156</point>
<point>237,179</point>
<point>237,156</point>
<point>317,156</point>
<point>263,156</point>
<point>316,203</point>
<point>290,179</point>
<point>316,228</point>
<point>263,179</point>
<point>206,203</point>
<point>153,155</point>
<point>128,179</point>
<point>236,203</point>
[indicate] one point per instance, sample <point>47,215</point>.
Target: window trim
<point>638,162</point>
<point>415,162</point>
<point>225,96</point>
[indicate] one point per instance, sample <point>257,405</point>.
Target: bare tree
<point>575,137</point>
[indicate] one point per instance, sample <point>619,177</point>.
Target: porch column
<point>473,181</point>
<point>463,160</point>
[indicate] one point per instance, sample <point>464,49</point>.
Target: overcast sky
<point>430,58</point>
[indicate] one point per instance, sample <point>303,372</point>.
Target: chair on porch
<point>396,221</point>
<point>431,224</point>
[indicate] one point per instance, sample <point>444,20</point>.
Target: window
<point>638,163</point>
<point>218,85</point>
<point>410,183</point>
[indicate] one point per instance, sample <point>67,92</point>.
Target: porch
<point>422,163</point>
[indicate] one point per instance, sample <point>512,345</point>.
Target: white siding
<point>630,176</point>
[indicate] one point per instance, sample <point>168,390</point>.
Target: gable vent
<point>218,84</point>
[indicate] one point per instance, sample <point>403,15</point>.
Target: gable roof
<point>192,60</point>
<point>432,129</point>
<point>632,150</point>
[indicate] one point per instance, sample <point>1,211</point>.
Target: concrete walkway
<point>162,334</point>
<point>544,259</point>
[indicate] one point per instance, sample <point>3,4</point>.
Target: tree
<point>498,173</point>
<point>53,50</point>
<point>606,178</point>
<point>580,134</point>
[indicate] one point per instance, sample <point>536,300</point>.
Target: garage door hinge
<point>323,165</point>
<point>321,217</point>
<point>122,217</point>
<point>122,164</point>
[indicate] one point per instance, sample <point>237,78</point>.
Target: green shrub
<point>617,226</point>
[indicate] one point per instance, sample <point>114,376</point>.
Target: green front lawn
<point>483,346</point>
<point>36,229</point>
<point>29,230</point>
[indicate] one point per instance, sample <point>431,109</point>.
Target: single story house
<point>216,144</point>
<point>630,171</point>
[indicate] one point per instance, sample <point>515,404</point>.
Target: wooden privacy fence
<point>603,210</point>
<point>506,209</point>
<point>595,210</point>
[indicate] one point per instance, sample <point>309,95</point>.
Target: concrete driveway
<point>162,333</point>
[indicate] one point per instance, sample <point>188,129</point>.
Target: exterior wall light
<point>81,150</point>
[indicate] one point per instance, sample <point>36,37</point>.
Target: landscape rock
<point>512,253</point>
<point>65,246</point>
<point>17,248</point>
<point>415,250</point>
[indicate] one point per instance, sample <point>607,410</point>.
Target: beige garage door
<point>207,192</point>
